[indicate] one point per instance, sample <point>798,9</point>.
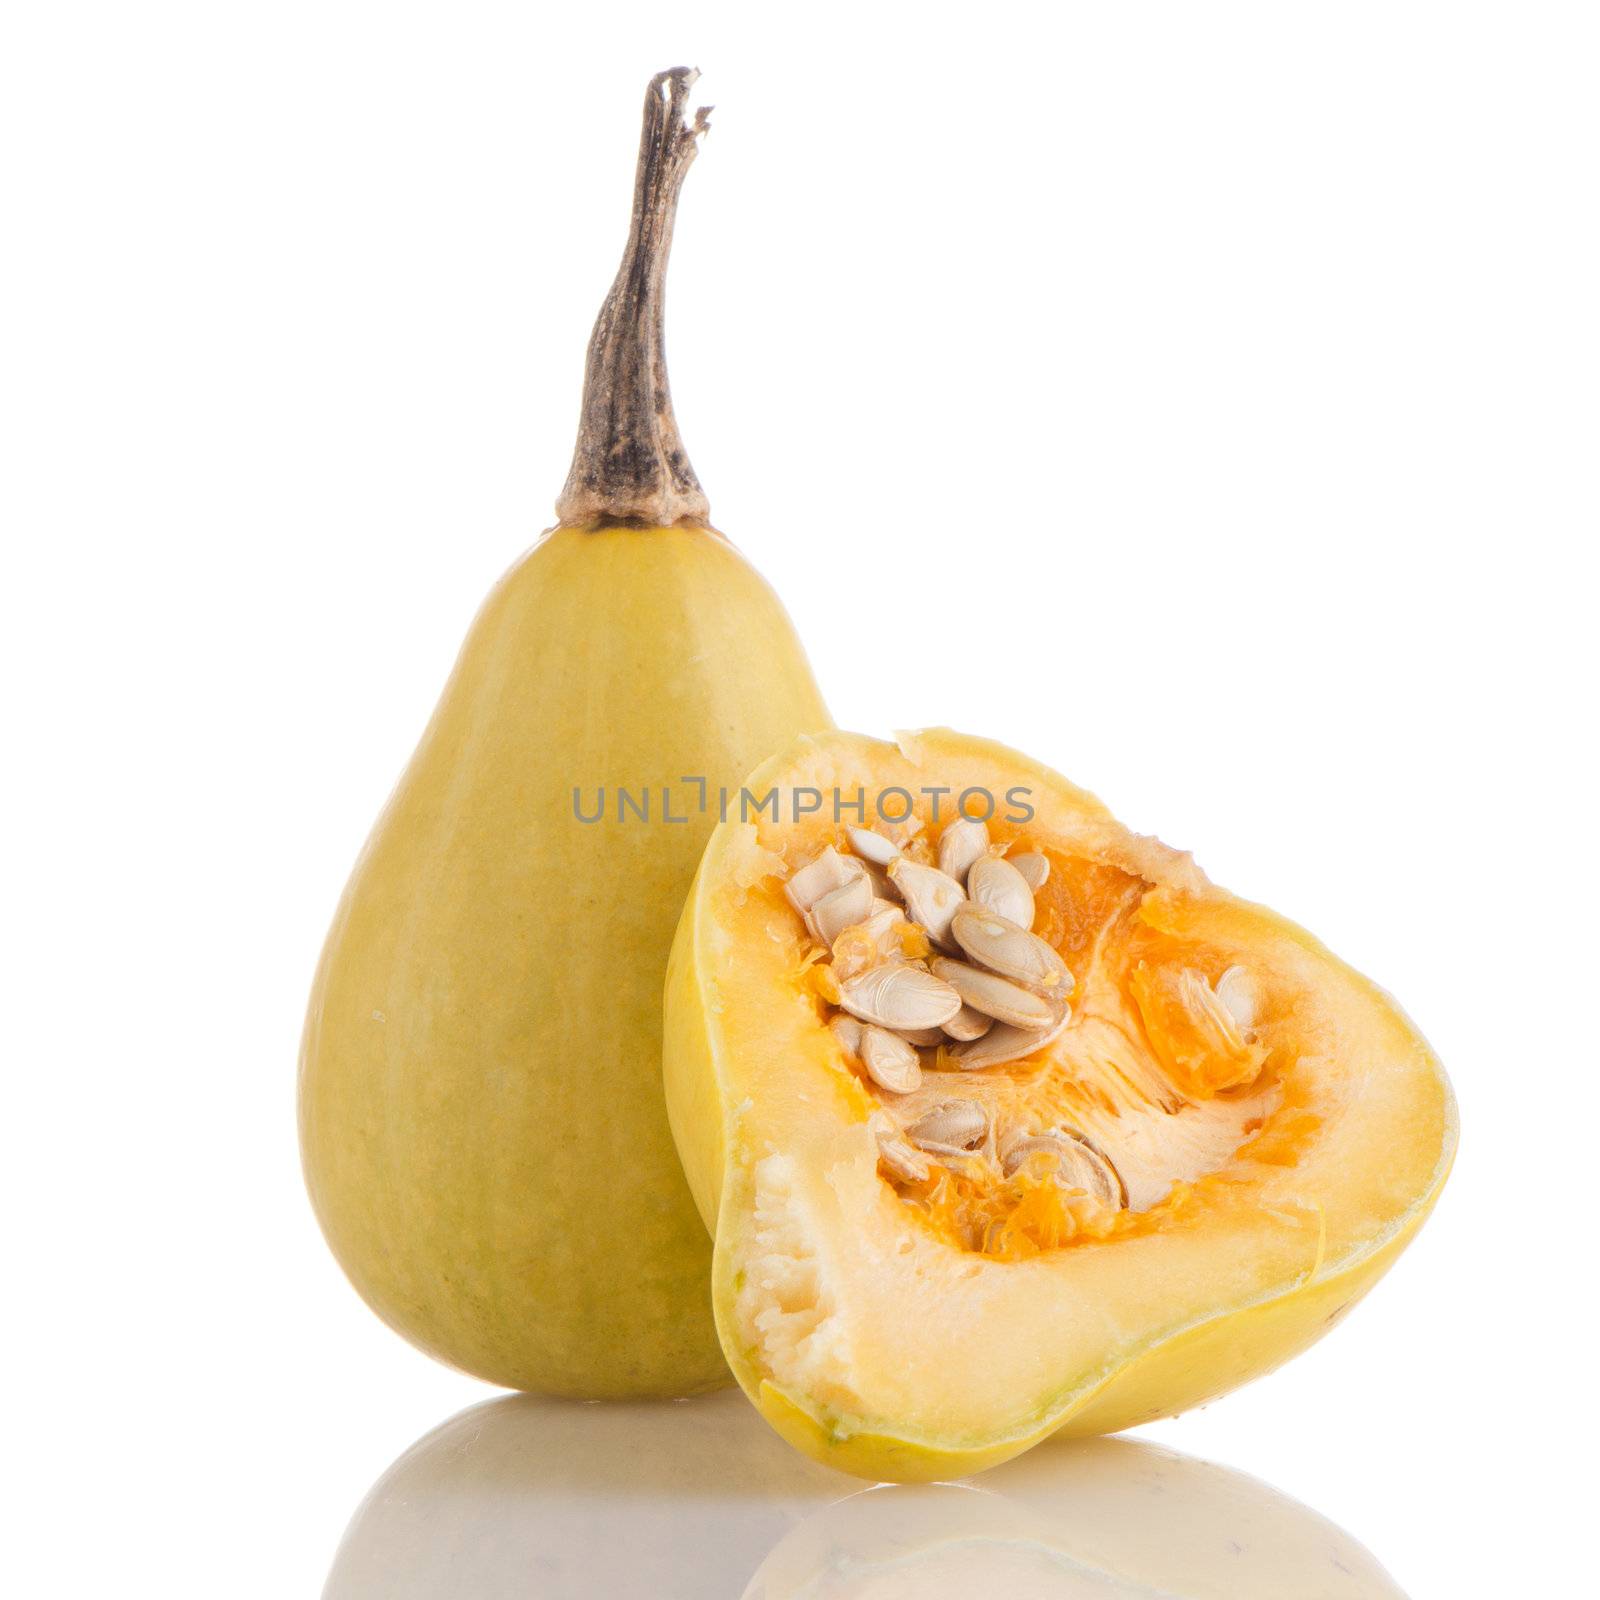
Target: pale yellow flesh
<point>888,1352</point>
<point>482,1124</point>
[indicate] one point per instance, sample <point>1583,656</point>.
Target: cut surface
<point>1176,1110</point>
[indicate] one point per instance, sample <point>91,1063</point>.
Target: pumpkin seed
<point>904,831</point>
<point>829,871</point>
<point>995,996</point>
<point>954,1127</point>
<point>1000,945</point>
<point>902,1159</point>
<point>891,1063</point>
<point>841,908</point>
<point>961,843</point>
<point>1205,1005</point>
<point>968,1024</point>
<point>1020,1151</point>
<point>994,883</point>
<point>1240,996</point>
<point>1035,869</point>
<point>896,996</point>
<point>848,1032</point>
<point>932,897</point>
<point>921,1036</point>
<point>1090,1168</point>
<point>868,942</point>
<point>1003,1044</point>
<point>1075,1163</point>
<point>882,889</point>
<point>872,846</point>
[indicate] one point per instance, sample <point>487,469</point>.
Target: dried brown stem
<point>629,466</point>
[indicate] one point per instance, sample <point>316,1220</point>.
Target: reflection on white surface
<point>523,1497</point>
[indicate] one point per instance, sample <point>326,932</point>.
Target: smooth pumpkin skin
<point>481,1116</point>
<point>709,1089</point>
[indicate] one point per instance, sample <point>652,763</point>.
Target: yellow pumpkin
<point>1225,1141</point>
<point>481,1116</point>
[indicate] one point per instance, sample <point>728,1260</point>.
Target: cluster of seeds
<point>937,966</point>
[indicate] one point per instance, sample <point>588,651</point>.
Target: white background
<point>1234,364</point>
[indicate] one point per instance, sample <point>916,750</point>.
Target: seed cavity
<point>937,973</point>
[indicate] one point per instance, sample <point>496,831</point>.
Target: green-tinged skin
<point>481,1112</point>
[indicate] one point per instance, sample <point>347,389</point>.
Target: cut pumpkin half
<point>1007,1121</point>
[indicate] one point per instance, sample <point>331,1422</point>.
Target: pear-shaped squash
<point>481,1114</point>
<point>1008,1121</point>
